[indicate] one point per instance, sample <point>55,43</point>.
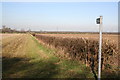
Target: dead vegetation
<point>85,50</point>
<point>11,45</point>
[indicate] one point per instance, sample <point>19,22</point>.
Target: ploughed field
<point>111,37</point>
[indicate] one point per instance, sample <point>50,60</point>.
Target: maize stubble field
<point>58,55</point>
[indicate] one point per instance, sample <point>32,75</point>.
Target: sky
<point>60,16</point>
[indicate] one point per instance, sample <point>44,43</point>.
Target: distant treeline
<point>66,32</point>
<point>9,30</point>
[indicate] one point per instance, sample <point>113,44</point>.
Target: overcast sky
<point>61,16</point>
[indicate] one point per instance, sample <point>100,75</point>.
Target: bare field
<point>3,36</point>
<point>111,37</point>
<point>93,36</point>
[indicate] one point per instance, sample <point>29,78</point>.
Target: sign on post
<point>99,21</point>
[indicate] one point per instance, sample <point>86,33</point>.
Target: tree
<point>7,29</point>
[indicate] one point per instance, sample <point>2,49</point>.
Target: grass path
<point>25,57</point>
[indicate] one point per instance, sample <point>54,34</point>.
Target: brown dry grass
<point>13,45</point>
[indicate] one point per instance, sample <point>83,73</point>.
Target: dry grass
<point>24,57</point>
<point>13,45</point>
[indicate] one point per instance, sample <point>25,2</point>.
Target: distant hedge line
<point>85,50</point>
